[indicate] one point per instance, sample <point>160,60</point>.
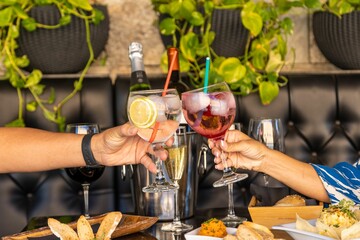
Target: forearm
<point>297,175</point>
<point>26,150</point>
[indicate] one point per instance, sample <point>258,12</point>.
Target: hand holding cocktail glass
<point>210,111</point>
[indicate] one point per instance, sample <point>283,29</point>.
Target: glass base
<point>176,227</point>
<point>228,178</point>
<point>233,221</point>
<point>162,187</point>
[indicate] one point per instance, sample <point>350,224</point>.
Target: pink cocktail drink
<point>209,114</point>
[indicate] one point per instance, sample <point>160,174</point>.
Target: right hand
<point>240,150</point>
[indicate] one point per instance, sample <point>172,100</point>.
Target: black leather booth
<point>320,113</point>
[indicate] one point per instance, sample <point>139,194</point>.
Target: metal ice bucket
<point>162,204</point>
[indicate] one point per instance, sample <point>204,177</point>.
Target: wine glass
<point>231,220</point>
<point>210,111</point>
<point>268,131</point>
<point>175,165</point>
<point>88,174</point>
<point>157,114</point>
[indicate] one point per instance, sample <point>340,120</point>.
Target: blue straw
<point>207,68</point>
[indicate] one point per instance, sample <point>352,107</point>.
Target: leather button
<point>314,154</point>
<point>290,123</point>
<point>337,122</point>
<point>29,195</point>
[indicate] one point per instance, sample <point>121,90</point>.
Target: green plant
<point>337,7</point>
<point>265,52</point>
<point>14,15</point>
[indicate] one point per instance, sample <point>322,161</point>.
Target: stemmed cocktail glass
<point>210,111</point>
<point>88,174</point>
<point>157,114</point>
<point>175,166</point>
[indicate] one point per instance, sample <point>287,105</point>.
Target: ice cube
<point>219,107</point>
<point>194,102</point>
<point>172,102</point>
<point>160,107</point>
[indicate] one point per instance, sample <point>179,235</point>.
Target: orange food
<point>213,227</point>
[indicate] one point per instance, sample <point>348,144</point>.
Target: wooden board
<point>128,224</point>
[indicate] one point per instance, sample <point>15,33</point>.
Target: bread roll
<point>291,201</point>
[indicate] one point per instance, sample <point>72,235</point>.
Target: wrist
<point>86,149</point>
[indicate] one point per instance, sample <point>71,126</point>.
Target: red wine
<point>85,174</point>
<point>211,114</point>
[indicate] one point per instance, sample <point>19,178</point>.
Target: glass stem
<point>176,204</point>
<point>86,199</point>
<point>231,211</point>
<point>160,178</point>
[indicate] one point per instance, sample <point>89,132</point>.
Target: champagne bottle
<point>175,79</point>
<point>139,80</point>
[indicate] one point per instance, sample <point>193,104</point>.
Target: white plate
<point>290,228</point>
<point>193,235</point>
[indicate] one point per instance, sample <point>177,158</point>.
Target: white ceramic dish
<point>193,235</point>
<point>290,228</point>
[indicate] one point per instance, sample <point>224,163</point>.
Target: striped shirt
<point>341,181</point>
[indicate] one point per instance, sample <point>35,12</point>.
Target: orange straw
<point>156,127</point>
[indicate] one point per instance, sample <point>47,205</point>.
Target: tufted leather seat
<point>320,113</point>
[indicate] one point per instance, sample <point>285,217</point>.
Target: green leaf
<point>268,91</point>
<point>31,106</point>
<point>29,24</point>
<point>34,78</point>
<point>51,98</point>
<point>188,45</point>
<point>232,70</point>
<point>65,20</point>
<point>5,16</point>
<point>275,63</point>
<point>20,11</point>
<point>99,16</point>
<point>251,20</point>
<point>15,79</point>
<point>38,89</point>
<point>22,61</point>
<point>49,115</point>
<point>16,123</point>
<point>83,4</point>
<point>196,19</point>
<point>167,26</point>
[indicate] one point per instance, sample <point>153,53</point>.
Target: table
<point>201,215</point>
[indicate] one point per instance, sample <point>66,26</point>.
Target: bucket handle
<point>202,165</point>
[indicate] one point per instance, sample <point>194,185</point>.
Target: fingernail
<point>223,144</point>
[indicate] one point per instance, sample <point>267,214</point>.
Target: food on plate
<point>84,230</point>
<point>293,200</point>
<point>213,228</point>
<point>338,221</point>
<point>251,231</point>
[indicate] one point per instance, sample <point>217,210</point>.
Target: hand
<point>121,146</point>
<point>240,150</point>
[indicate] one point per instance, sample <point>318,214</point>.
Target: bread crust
<point>293,200</point>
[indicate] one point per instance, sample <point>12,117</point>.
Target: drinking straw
<point>156,127</point>
<point>207,69</point>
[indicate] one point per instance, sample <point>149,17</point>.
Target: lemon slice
<point>142,112</point>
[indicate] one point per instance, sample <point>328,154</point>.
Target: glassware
<point>175,165</point>
<point>210,111</point>
<point>268,131</point>
<point>157,114</point>
<point>88,174</point>
<point>231,220</point>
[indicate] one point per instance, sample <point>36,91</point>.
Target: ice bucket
<point>162,204</point>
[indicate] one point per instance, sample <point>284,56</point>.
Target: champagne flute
<point>268,131</point>
<point>210,111</point>
<point>157,114</point>
<point>175,165</point>
<point>88,174</point>
<point>231,220</point>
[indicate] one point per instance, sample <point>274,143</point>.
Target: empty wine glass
<point>231,219</point>
<point>210,111</point>
<point>268,131</point>
<point>175,165</point>
<point>88,174</point>
<point>157,114</point>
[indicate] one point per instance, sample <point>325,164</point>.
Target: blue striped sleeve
<point>341,181</point>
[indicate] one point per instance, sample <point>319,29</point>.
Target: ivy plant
<point>14,15</point>
<point>258,70</point>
